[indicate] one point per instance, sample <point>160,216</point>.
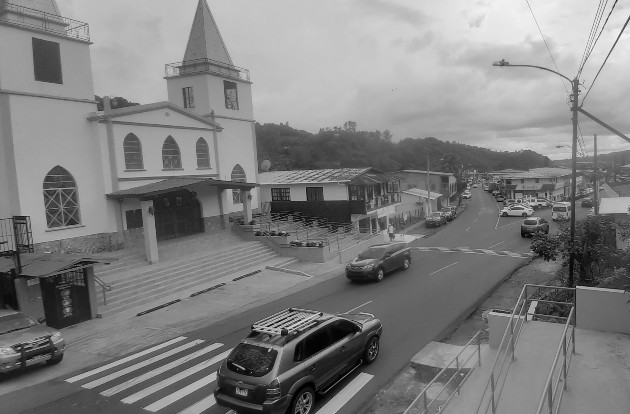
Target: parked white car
<point>516,210</point>
<point>466,194</point>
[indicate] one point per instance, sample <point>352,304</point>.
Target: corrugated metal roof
<point>617,205</point>
<point>44,265</point>
<point>424,172</point>
<point>172,184</point>
<point>311,176</point>
<point>422,193</point>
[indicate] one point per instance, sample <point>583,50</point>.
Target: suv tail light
<point>273,390</point>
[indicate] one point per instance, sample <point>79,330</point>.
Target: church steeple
<point>205,41</point>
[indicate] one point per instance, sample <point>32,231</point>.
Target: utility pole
<point>428,187</point>
<point>596,200</point>
<point>574,117</point>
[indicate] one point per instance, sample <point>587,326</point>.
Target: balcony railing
<point>191,67</point>
<point>47,22</point>
<point>382,201</point>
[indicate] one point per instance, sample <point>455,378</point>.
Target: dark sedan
<point>435,219</point>
<point>587,202</point>
<point>375,261</point>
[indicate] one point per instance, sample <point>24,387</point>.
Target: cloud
<point>419,43</point>
<point>399,12</point>
<point>476,21</point>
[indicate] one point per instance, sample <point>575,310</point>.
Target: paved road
<point>449,274</point>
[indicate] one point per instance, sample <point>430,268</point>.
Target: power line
<point>600,33</point>
<point>591,35</point>
<point>546,45</point>
<point>605,60</point>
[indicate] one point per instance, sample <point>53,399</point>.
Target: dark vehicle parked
<point>501,197</point>
<point>290,356</point>
<point>375,261</point>
<point>533,224</point>
<point>25,342</point>
<point>435,219</point>
<point>587,202</point>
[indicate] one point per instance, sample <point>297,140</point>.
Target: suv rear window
<point>252,360</point>
<point>530,222</point>
<point>560,208</point>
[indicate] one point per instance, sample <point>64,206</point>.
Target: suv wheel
<point>380,274</point>
<point>303,401</point>
<point>54,361</point>
<point>405,265</point>
<point>371,350</point>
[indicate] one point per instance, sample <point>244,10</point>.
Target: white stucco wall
<point>16,65</point>
<point>61,136</point>
<point>600,309</point>
<point>332,191</point>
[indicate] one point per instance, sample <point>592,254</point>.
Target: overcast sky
<point>418,68</point>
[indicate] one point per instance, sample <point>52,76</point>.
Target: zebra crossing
<point>177,377</point>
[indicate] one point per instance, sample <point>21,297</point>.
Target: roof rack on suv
<point>288,321</point>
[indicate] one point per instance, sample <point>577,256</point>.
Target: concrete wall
<point>497,324</point>
<point>605,310</point>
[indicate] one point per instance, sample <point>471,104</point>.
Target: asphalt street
<point>476,252</point>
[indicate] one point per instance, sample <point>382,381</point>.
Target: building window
<point>61,200</point>
<point>537,180</point>
<point>314,193</point>
<point>203,154</point>
<point>238,175</point>
<point>133,152</point>
<point>231,95</point>
<point>280,194</point>
<point>189,99</point>
<point>356,192</point>
<point>171,158</point>
<point>47,61</point>
<point>134,219</point>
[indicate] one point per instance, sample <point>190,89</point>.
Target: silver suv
<point>25,342</point>
<point>290,356</point>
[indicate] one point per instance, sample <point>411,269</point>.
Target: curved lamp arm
<point>504,62</point>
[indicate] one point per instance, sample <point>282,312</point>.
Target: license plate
<point>241,391</point>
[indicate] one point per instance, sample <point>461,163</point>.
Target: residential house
<point>551,183</point>
<point>442,183</point>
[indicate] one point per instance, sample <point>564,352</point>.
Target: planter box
<point>310,254</point>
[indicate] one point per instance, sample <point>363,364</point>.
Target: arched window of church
<point>203,154</point>
<point>238,175</point>
<point>171,158</point>
<point>61,199</point>
<point>133,153</point>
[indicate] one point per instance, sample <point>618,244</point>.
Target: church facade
<point>100,180</point>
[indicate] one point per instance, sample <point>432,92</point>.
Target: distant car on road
<point>516,210</point>
<point>474,185</point>
<point>375,261</point>
<point>500,198</point>
<point>25,342</point>
<point>466,194</point>
<point>449,213</point>
<point>435,219</point>
<point>587,202</point>
<point>533,224</point>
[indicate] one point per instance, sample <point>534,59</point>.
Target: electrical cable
<point>605,60</point>
<point>591,35</point>
<point>600,33</point>
<point>546,45</point>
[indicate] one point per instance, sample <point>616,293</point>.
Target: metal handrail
<point>105,286</point>
<point>423,395</point>
<point>550,393</point>
<point>495,385</point>
<point>48,22</point>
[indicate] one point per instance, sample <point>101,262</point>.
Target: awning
<point>548,187</point>
<point>46,265</point>
<point>148,191</point>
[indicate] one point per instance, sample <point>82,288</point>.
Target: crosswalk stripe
<point>200,406</point>
<point>181,393</point>
<point>126,359</point>
<point>137,380</point>
<point>172,380</point>
<point>345,394</point>
<point>139,365</point>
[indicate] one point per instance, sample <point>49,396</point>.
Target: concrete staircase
<point>187,264</point>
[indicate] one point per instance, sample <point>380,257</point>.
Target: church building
<point>91,181</point>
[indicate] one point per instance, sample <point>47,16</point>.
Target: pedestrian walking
<point>390,230</point>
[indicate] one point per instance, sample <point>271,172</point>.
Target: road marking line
<point>181,393</point>
<point>139,365</point>
<point>445,267</point>
<point>345,394</point>
<point>126,359</point>
<point>353,309</point>
<point>494,245</point>
<point>172,380</point>
<point>468,229</point>
<point>476,220</point>
<point>137,380</point>
<point>200,406</point>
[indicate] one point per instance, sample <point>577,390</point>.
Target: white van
<point>561,211</point>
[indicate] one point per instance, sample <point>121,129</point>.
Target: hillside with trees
<point>347,147</point>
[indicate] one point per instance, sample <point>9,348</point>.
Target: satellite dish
<point>265,165</point>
